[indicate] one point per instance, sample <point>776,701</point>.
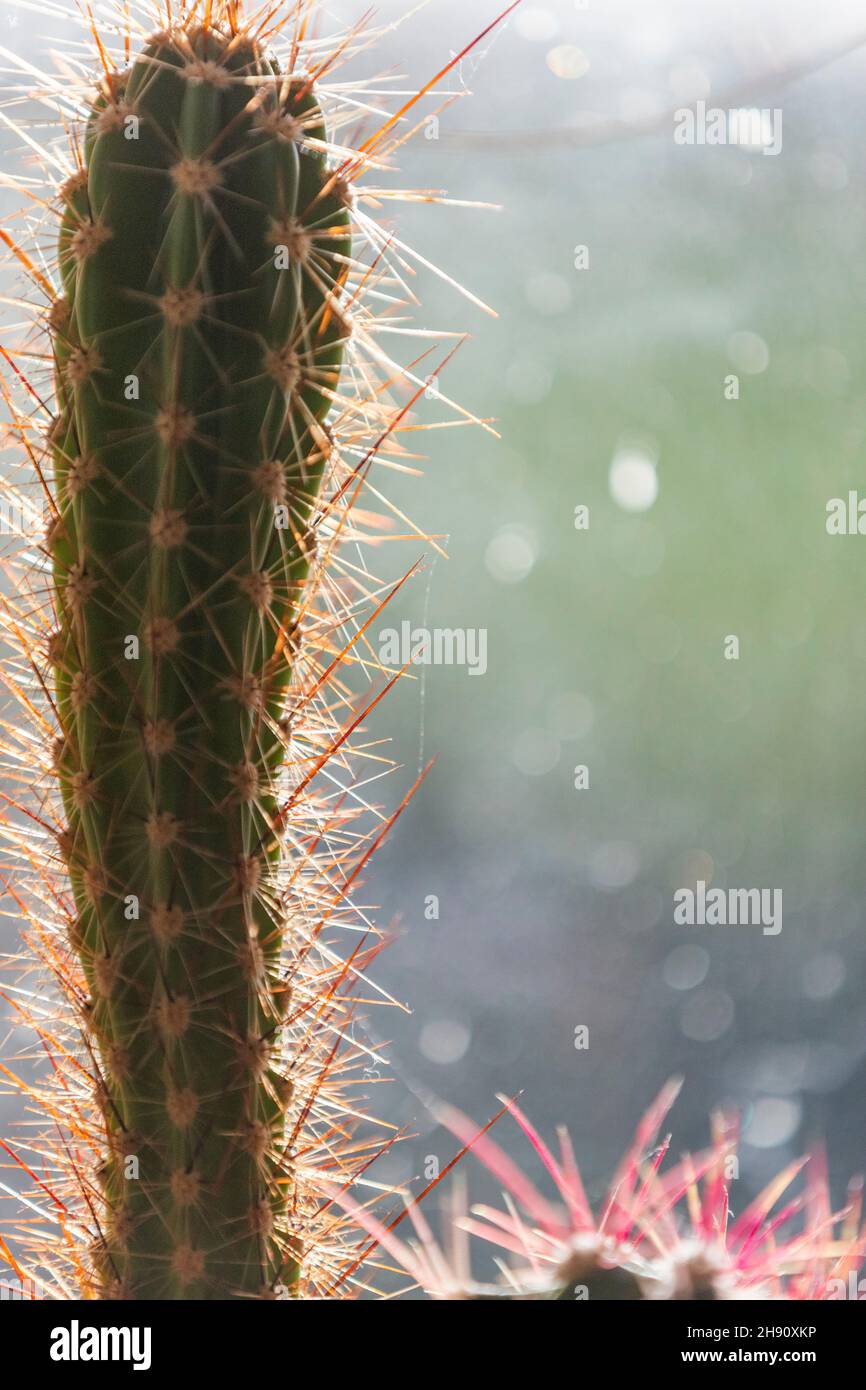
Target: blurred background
<point>634,279</point>
<point>606,646</point>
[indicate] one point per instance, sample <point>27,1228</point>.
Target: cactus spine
<point>203,247</point>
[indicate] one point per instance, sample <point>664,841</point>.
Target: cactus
<point>657,1235</point>
<point>203,251</point>
<point>182,631</point>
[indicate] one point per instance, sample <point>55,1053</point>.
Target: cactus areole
<point>197,348</point>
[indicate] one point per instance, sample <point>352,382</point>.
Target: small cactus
<point>657,1235</point>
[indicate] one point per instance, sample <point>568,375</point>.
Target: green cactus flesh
<point>203,247</point>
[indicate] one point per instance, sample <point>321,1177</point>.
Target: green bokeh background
<point>555,904</point>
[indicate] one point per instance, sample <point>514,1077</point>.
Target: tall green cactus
<point>203,247</point>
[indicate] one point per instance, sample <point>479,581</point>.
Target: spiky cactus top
<point>202,248</point>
